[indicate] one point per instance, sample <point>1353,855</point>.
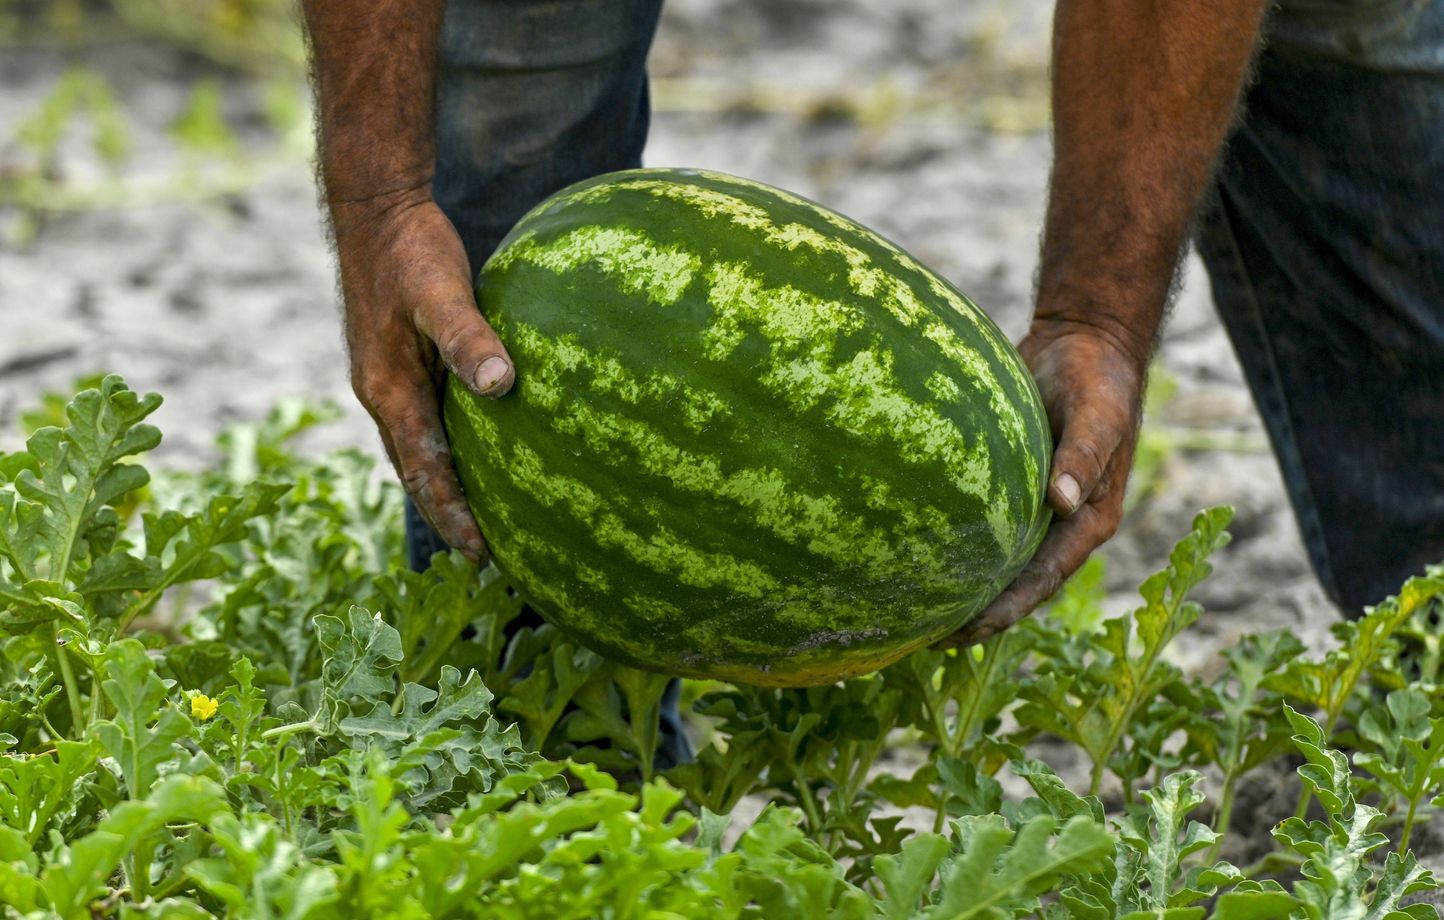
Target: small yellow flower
<point>202,706</point>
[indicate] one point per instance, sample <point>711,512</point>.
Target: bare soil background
<point>924,119</point>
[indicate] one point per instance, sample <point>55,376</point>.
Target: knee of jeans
<point>1378,34</point>
<point>544,35</point>
<point>532,97</point>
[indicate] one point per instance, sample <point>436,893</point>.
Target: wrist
<point>380,241</point>
<point>358,216</point>
<point>1132,342</point>
<point>1116,319</point>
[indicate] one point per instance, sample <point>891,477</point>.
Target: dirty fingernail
<point>492,371</point>
<point>1068,490</point>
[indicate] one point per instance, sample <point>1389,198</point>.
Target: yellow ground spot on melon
<point>639,265</point>
<point>818,667</point>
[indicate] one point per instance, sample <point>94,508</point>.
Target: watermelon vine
<point>223,695</point>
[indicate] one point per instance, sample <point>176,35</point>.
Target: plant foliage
<point>223,695</point>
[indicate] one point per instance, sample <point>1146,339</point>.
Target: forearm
<point>374,69</point>
<point>1143,95</point>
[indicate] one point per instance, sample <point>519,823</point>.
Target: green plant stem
<point>140,876</point>
<point>1095,777</point>
<point>1302,809</point>
<point>430,657</point>
<point>1117,729</point>
<point>1224,815</point>
<point>280,731</point>
<point>808,800</point>
<point>72,687</point>
<point>97,703</point>
<point>963,727</point>
<point>1408,826</point>
<point>149,598</point>
<point>644,739</point>
<point>55,734</point>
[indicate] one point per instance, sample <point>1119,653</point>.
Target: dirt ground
<point>924,119</point>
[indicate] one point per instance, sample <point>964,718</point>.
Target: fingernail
<point>1068,490</point>
<point>492,371</point>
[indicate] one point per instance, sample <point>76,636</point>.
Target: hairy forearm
<point>374,70</point>
<point>1143,95</point>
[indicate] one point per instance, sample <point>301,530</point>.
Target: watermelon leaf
<point>1091,689</point>
<point>145,727</point>
<point>997,870</point>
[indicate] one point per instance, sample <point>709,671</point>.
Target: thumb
<point>468,346</point>
<point>1087,444</point>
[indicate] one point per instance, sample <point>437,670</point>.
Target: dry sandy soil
<point>924,119</point>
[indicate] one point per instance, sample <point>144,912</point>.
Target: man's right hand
<point>1092,384</point>
<point>411,316</point>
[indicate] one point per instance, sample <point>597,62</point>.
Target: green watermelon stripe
<point>749,439</point>
<point>526,559</point>
<point>867,279</point>
<point>663,551</point>
<point>866,283</point>
<point>640,266</point>
<point>862,394</point>
<point>699,408</point>
<point>818,523</point>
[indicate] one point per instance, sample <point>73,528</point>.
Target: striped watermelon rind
<point>750,439</point>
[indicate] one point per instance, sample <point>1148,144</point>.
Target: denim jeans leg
<point>532,96</point>
<point>1324,243</point>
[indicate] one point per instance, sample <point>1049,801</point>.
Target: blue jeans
<point>532,96</point>
<point>1324,243</point>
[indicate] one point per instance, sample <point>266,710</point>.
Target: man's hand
<point>410,311</point>
<point>410,317</point>
<point>1091,388</point>
<point>1143,94</point>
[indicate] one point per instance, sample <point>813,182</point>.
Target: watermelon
<point>749,439</point>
